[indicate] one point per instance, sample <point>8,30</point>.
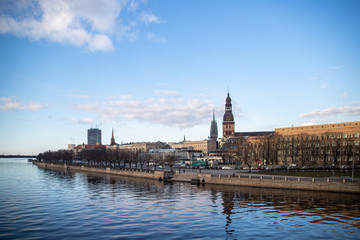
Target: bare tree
<point>238,149</point>
<point>170,159</point>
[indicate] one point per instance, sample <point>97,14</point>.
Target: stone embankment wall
<point>284,182</point>
<point>255,180</point>
<point>130,173</point>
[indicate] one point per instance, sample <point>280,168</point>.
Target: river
<point>43,204</point>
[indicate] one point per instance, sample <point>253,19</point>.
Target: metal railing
<point>286,178</point>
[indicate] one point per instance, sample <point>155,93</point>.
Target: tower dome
<point>228,99</point>
<point>228,116</point>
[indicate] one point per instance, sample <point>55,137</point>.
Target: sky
<point>154,70</point>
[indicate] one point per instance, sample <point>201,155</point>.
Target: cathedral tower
<point>228,121</point>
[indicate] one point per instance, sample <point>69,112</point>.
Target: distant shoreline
<point>18,156</point>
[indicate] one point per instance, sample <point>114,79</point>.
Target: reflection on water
<point>37,203</point>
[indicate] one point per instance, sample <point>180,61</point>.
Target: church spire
<point>112,141</point>
<point>213,128</point>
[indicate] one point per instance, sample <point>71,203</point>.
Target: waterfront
<point>42,204</point>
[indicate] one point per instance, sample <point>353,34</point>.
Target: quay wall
<point>247,180</point>
<point>129,173</point>
<point>284,182</point>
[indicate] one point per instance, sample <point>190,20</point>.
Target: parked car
<point>227,167</point>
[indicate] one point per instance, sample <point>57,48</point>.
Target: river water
<point>43,204</point>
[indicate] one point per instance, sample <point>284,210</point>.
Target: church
<point>229,124</point>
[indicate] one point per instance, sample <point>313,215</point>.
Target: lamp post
<point>353,166</point>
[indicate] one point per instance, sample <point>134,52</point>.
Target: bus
<point>200,164</point>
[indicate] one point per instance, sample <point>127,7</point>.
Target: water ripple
<point>41,204</point>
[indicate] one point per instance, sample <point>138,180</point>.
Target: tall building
<point>94,136</point>
<point>213,128</point>
<point>228,120</point>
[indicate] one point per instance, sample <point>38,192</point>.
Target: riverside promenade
<point>248,180</point>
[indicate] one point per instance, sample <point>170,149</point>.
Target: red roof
<point>90,146</point>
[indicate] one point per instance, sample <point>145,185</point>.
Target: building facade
<point>335,144</point>
<point>205,146</point>
<point>350,128</point>
<point>143,147</point>
<point>328,145</point>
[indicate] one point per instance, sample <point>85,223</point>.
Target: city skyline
<point>155,71</point>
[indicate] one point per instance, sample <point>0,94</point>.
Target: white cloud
<point>11,104</point>
<point>182,114</point>
<point>100,42</point>
<point>125,96</point>
<point>308,124</point>
<point>354,103</point>
<point>133,5</point>
<point>81,121</point>
<point>333,111</point>
<point>337,67</point>
<point>324,85</point>
<point>315,76</point>
<point>343,95</point>
<point>156,39</point>
<point>148,17</point>
<point>89,24</point>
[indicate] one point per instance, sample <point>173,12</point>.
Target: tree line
<point>114,158</point>
<point>331,149</point>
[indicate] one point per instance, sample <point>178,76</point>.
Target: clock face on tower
<point>228,119</point>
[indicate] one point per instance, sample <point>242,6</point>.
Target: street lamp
<point>353,166</point>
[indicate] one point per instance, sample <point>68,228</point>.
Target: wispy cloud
<point>315,76</point>
<point>156,39</point>
<point>308,124</point>
<point>148,17</point>
<point>324,85</point>
<point>182,114</point>
<point>333,111</point>
<point>90,24</point>
<point>337,67</point>
<point>354,103</point>
<point>81,120</point>
<point>14,105</point>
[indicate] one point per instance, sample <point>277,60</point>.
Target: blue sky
<point>155,70</point>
